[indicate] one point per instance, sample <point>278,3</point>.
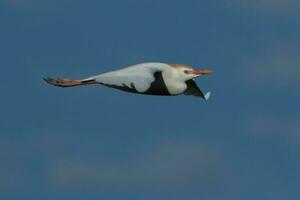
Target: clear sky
<point>98,143</point>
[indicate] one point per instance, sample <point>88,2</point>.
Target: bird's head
<point>187,73</point>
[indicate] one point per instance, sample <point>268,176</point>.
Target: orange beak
<point>202,72</point>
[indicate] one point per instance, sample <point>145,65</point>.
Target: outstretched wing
<point>132,79</point>
<point>193,89</point>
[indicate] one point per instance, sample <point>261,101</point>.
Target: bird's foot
<point>62,82</point>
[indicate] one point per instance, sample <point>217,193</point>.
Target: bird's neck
<point>175,83</point>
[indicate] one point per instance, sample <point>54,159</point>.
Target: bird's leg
<point>62,82</point>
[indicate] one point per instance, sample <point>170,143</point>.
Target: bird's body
<point>146,78</point>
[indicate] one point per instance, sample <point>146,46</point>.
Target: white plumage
<point>145,78</point>
<point>140,75</point>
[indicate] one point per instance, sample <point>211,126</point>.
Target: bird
<point>152,78</point>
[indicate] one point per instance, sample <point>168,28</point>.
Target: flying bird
<point>146,78</point>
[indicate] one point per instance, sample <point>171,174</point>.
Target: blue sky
<point>99,143</point>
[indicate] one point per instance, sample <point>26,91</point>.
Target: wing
<point>193,89</point>
<point>132,79</point>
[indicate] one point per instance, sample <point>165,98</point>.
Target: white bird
<point>146,78</point>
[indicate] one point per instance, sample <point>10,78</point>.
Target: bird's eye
<point>186,71</point>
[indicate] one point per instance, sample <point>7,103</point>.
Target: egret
<point>146,78</point>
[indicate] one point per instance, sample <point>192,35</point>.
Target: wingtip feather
<point>207,96</point>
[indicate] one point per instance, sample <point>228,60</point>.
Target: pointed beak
<point>202,72</point>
